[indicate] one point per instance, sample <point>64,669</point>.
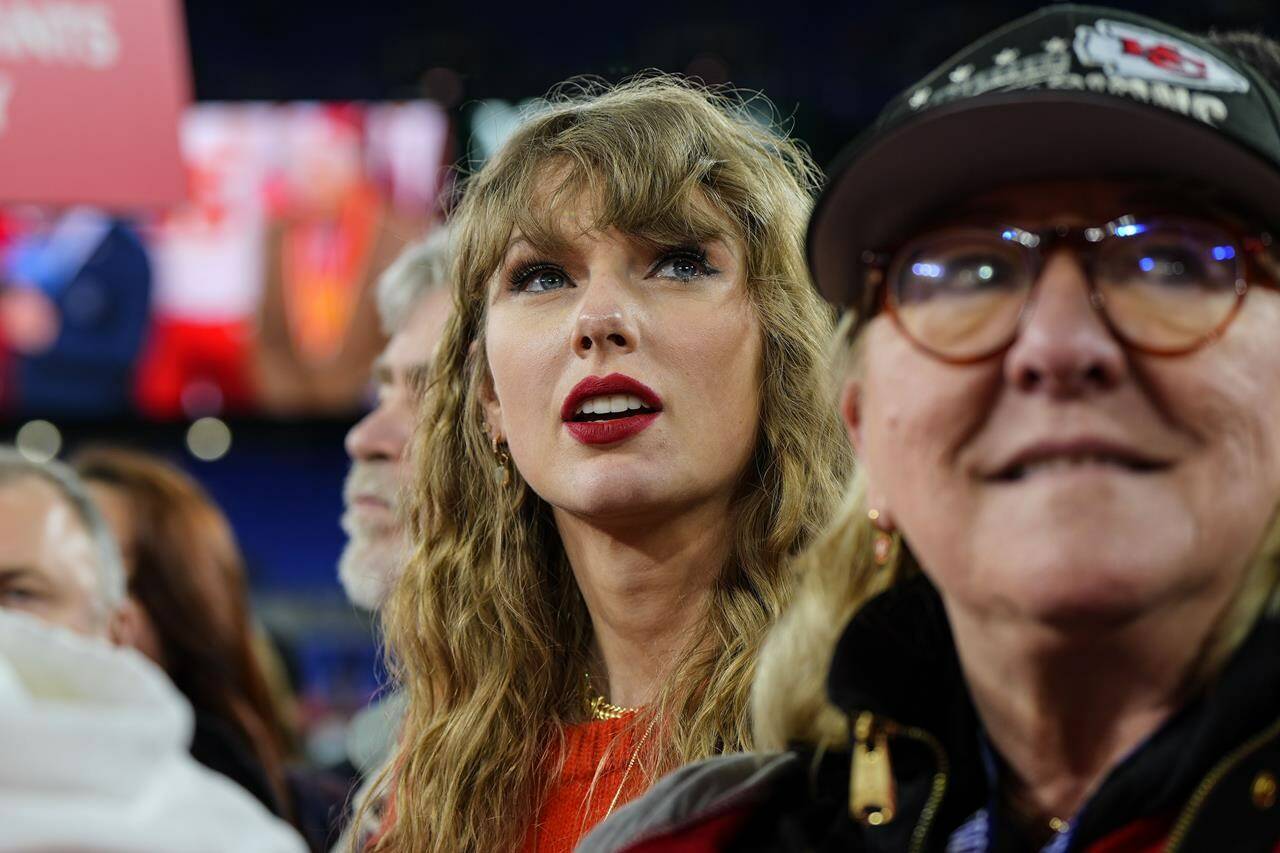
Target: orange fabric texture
<point>573,804</point>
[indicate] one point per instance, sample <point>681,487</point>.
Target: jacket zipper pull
<point>872,793</point>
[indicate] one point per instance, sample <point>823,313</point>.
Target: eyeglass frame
<point>1252,244</point>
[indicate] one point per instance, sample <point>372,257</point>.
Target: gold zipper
<point>1221,769</point>
<point>937,789</point>
<point>873,798</point>
<point>872,790</point>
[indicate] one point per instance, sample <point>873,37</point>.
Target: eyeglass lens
<point>1165,284</point>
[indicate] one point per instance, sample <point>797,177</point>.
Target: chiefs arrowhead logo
<point>1133,51</point>
<point>1166,56</point>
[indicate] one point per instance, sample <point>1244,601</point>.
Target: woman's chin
<point>1084,584</point>
<point>605,496</point>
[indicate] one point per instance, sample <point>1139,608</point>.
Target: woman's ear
<point>489,402</point>
<point>851,413</point>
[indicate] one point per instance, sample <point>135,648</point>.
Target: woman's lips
<point>606,386</point>
<point>610,431</point>
<point>636,407</point>
<point>1072,455</point>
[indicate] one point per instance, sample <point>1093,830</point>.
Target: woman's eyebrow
<point>553,244</point>
<point>666,240</point>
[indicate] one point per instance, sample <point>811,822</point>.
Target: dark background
<point>831,66</point>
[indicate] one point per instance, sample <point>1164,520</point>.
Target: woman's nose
<point>605,320</point>
<point>1065,347</point>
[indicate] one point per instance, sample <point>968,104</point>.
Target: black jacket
<point>1207,778</point>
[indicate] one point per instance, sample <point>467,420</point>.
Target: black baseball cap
<point>1065,92</point>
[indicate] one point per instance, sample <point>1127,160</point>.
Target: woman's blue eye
<point>682,268</point>
<point>541,280</point>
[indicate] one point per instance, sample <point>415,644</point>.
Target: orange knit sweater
<point>573,806</point>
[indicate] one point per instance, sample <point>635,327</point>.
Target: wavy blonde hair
<point>838,573</point>
<point>487,630</point>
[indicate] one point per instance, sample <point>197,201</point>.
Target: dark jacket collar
<point>897,658</point>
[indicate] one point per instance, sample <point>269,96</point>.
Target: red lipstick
<point>616,426</point>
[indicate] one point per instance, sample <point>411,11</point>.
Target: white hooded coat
<point>93,756</point>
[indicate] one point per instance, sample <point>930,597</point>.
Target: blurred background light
<point>38,441</point>
<point>209,439</point>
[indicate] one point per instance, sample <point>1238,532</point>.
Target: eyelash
<point>521,274</point>
<point>688,253</point>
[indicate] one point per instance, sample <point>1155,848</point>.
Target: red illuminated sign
<point>91,92</point>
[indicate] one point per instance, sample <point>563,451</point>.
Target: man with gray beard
<point>413,301</point>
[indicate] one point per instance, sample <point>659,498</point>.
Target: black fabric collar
<point>897,658</point>
<point>1161,774</point>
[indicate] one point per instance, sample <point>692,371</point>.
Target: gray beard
<point>369,566</point>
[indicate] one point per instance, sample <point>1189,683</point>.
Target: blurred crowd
<point>125,551</point>
<point>255,295</point>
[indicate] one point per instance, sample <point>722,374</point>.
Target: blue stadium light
<point>1223,253</point>
<point>1147,264</point>
<point>927,270</point>
<point>1130,230</point>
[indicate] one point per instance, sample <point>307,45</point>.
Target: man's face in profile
<point>377,544</point>
<point>48,563</point>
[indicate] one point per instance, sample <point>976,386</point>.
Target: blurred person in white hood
<point>94,737</point>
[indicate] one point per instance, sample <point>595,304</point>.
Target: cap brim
<point>878,189</point>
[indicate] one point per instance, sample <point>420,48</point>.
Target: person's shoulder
<point>706,792</point>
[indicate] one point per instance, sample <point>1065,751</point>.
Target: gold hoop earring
<point>882,541</point>
<point>502,471</point>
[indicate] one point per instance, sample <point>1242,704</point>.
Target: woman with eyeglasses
<point>1047,618</point>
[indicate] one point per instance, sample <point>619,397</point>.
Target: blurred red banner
<point>91,93</point>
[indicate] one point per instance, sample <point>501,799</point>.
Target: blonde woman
<point>626,438</point>
<point>1064,391</point>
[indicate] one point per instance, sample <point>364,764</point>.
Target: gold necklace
<point>600,708</point>
<point>1024,811</point>
<point>635,755</point>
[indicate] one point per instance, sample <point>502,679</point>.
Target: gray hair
<point>111,576</point>
<point>419,269</point>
